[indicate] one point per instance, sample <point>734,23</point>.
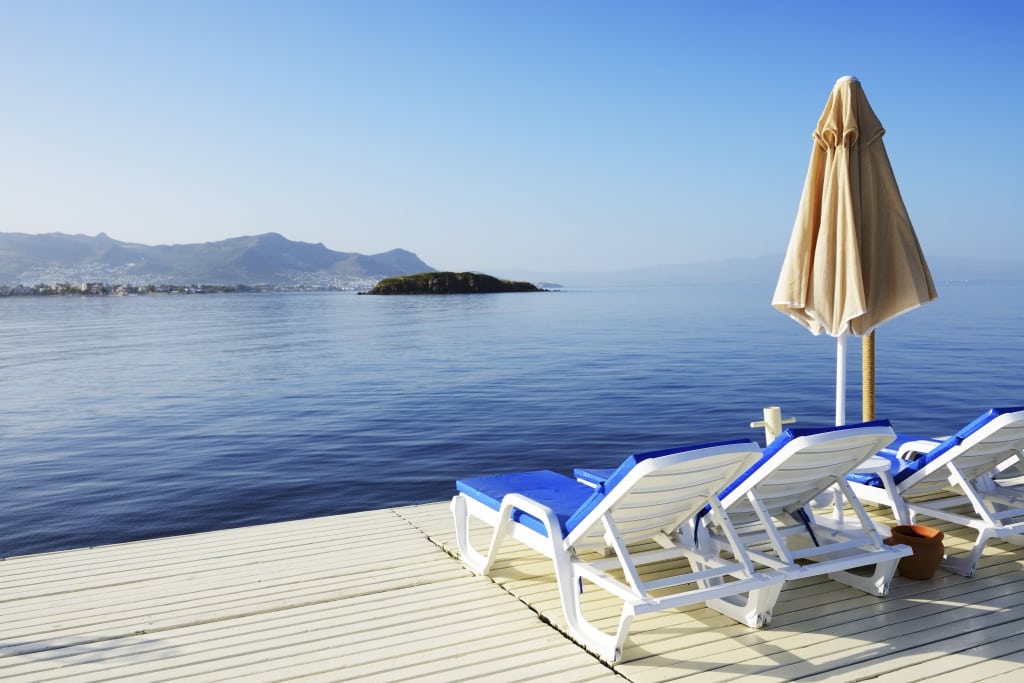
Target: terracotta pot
<point>928,550</point>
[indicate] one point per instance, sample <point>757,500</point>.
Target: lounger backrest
<point>658,492</point>
<point>977,448</point>
<point>801,464</point>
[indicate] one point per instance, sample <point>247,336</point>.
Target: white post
<point>841,379</point>
<point>772,423</point>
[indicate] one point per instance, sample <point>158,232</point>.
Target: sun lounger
<point>956,479</point>
<point>610,535</point>
<point>769,506</point>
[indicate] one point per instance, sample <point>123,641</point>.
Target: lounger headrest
<point>796,432</point>
<point>632,461</point>
<point>628,464</point>
<point>981,421</point>
<point>956,439</point>
<point>788,436</point>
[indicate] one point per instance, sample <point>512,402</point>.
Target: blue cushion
<point>620,472</point>
<point>901,469</point>
<point>784,439</point>
<point>781,441</point>
<point>896,463</point>
<point>872,478</point>
<point>560,493</point>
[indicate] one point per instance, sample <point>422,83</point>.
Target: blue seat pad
<point>606,478</point>
<point>901,469</point>
<point>560,493</point>
<point>780,442</point>
<point>789,436</point>
<point>596,477</point>
<point>890,453</point>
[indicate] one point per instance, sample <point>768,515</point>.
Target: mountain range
<point>269,259</point>
<point>272,259</point>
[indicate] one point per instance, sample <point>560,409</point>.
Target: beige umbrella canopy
<point>853,260</point>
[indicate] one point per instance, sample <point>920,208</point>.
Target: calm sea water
<point>136,417</point>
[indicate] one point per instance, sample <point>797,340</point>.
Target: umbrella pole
<point>867,366</point>
<point>841,379</point>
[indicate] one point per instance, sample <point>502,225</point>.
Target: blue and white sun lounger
<point>650,497</point>
<point>950,479</point>
<point>769,506</point>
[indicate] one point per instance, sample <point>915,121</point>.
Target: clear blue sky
<point>491,135</point>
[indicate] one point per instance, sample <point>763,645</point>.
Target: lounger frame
<point>771,510</point>
<point>957,486</point>
<point>640,520</point>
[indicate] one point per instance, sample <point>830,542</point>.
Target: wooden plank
<point>800,607</point>
<point>162,602</point>
<point>999,658</point>
<point>381,596</point>
<point>189,554</point>
<point>204,607</point>
<point>369,634</point>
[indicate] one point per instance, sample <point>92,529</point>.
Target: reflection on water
<point>134,417</point>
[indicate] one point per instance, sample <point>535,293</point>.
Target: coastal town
<point>102,289</point>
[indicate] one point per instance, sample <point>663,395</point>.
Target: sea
<point>125,418</point>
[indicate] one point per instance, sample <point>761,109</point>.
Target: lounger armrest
<point>873,477</point>
<point>592,477</point>
<point>912,450</point>
<point>517,501</point>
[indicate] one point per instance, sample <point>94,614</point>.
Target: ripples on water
<point>127,418</point>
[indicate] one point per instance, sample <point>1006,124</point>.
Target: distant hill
<point>261,259</point>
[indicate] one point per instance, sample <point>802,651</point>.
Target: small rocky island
<point>449,283</point>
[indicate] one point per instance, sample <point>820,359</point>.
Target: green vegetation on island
<point>450,283</point>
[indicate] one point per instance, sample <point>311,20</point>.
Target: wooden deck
<point>377,596</point>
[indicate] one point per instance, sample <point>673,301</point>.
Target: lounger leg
<point>607,646</point>
<point>878,583</point>
<point>479,563</point>
<point>965,565</point>
<point>754,609</point>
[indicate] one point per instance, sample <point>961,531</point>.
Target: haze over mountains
<point>761,270</point>
<point>262,259</point>
<point>272,259</point>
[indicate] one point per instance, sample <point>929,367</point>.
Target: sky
<point>486,135</point>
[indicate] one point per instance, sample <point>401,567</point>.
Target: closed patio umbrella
<point>853,259</point>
